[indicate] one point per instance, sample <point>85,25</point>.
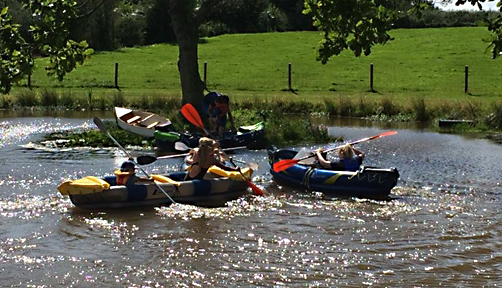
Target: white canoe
<point>139,122</point>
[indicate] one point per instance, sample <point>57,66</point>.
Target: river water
<point>442,228</point>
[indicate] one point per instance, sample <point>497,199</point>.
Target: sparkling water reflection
<point>441,229</point>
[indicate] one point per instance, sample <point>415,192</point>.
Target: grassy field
<point>423,64</point>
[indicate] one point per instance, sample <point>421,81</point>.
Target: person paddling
<point>349,159</point>
<point>203,157</point>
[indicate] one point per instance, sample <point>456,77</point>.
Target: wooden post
<point>466,88</point>
<point>29,81</point>
<point>290,87</point>
<point>371,78</point>
<point>205,73</point>
<point>117,75</point>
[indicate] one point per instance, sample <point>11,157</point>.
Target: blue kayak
<point>367,182</point>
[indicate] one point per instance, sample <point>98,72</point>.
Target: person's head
<point>206,148</point>
<point>346,152</point>
<point>218,100</point>
<point>127,166</point>
<point>224,99</point>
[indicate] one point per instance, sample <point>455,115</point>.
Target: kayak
<point>140,122</point>
<point>367,182</point>
<point>217,187</point>
<point>245,136</point>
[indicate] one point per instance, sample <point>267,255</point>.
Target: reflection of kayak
<point>214,190</point>
<point>245,136</point>
<point>368,182</point>
<point>139,122</point>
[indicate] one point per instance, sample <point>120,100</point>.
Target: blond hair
<point>346,152</point>
<point>206,150</point>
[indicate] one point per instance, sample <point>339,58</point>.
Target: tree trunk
<point>187,35</point>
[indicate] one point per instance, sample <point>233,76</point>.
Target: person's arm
<point>223,166</point>
<point>358,153</point>
<point>322,161</point>
<point>231,118</point>
<point>210,109</point>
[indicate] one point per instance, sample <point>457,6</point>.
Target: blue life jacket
<point>209,99</point>
<point>352,164</point>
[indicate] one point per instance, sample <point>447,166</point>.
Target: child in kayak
<point>126,175</point>
<point>203,157</point>
<point>349,159</point>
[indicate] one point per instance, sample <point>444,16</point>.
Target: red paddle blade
<point>192,115</point>
<point>284,164</point>
<point>387,134</point>
<point>256,189</point>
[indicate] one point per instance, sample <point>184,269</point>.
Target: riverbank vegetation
<point>279,131</point>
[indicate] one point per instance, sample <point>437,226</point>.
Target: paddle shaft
<point>103,129</point>
<point>353,143</point>
<point>286,163</point>
<point>256,189</point>
<point>185,154</point>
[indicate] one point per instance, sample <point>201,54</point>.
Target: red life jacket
<point>223,108</point>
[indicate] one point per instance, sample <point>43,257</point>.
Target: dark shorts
<point>220,120</point>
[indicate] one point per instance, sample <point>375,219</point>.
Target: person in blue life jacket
<point>349,159</point>
<point>208,103</point>
<point>218,114</point>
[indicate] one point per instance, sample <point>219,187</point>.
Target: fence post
<point>117,76</point>
<point>205,73</point>
<point>29,81</point>
<point>371,78</point>
<point>466,87</point>
<point>290,87</point>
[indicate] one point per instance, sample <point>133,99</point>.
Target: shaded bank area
<point>486,115</point>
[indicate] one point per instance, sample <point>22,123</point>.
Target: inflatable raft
<point>367,182</point>
<point>217,187</point>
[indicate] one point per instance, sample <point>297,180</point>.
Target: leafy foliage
<point>15,56</point>
<point>50,37</point>
<point>349,24</point>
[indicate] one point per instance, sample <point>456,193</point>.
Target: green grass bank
<point>418,76</point>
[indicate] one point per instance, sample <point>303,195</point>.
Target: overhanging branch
<point>90,12</point>
<point>204,10</point>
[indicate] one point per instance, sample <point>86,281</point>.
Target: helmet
<point>127,165</point>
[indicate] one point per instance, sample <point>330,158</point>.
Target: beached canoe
<point>367,182</point>
<point>217,187</point>
<point>245,136</point>
<point>139,122</point>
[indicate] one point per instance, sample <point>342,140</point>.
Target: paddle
<point>256,190</point>
<point>253,165</point>
<point>147,159</point>
<point>286,163</point>
<point>180,146</point>
<point>103,130</point>
<point>193,117</point>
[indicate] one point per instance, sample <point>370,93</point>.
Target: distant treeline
<point>127,23</point>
